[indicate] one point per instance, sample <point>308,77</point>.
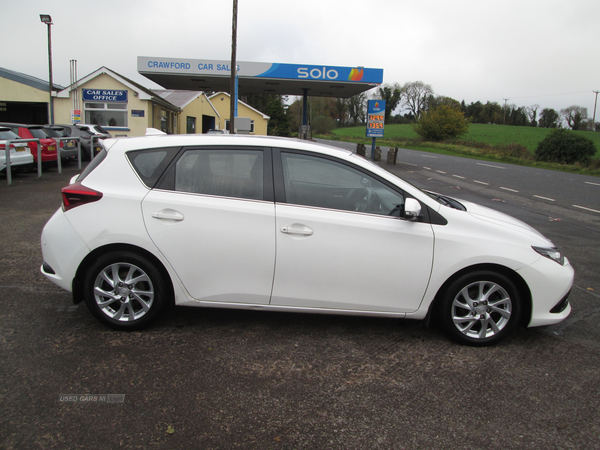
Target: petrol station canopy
<point>260,78</point>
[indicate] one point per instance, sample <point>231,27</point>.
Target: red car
<point>35,132</point>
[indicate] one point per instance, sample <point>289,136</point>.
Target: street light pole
<point>45,18</point>
<point>594,118</point>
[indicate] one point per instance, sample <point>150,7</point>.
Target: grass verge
<point>487,142</point>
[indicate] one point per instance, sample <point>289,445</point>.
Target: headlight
<point>552,253</point>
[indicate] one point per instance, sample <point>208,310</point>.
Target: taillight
<point>77,195</point>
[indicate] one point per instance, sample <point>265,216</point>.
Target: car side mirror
<point>412,209</point>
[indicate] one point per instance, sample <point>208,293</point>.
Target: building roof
<point>28,80</point>
<point>143,92</point>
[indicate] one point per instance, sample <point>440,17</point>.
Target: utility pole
<point>594,119</point>
<point>232,90</point>
<point>505,100</point>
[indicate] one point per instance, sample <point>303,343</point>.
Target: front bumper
<point>549,284</point>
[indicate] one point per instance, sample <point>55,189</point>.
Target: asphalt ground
<point>221,379</point>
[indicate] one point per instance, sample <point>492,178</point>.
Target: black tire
<point>125,290</point>
<point>480,308</point>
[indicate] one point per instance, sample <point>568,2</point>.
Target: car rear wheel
<point>480,308</point>
<point>125,291</point>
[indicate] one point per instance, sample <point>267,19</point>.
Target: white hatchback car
<point>286,225</point>
<point>20,155</point>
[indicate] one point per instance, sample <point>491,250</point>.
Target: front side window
<point>225,173</point>
<point>106,114</point>
<point>325,183</point>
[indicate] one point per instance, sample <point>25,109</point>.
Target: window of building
<point>108,114</point>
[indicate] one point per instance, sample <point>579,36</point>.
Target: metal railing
<point>93,139</point>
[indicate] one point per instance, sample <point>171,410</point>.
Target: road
<point>223,379</point>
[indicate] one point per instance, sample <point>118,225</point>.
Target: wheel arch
<point>519,282</point>
<point>93,255</point>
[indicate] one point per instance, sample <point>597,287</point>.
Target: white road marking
<point>429,156</point>
<point>594,184</point>
<point>440,171</point>
<point>508,189</point>
<point>408,164</point>
<point>587,209</point>
<point>428,168</point>
<point>545,198</point>
<point>481,182</point>
<point>458,176</point>
<point>489,165</point>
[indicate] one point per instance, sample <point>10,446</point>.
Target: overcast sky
<point>544,52</point>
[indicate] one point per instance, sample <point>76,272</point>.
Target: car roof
<point>221,140</point>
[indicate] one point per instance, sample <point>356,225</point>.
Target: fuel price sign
<point>375,118</point>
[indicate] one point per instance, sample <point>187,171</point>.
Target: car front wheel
<point>125,291</point>
<point>480,308</point>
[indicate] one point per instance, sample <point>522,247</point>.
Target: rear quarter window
<point>150,164</point>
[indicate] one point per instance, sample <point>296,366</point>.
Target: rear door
<point>213,217</point>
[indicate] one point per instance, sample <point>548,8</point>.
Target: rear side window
<point>224,173</point>
<point>150,164</point>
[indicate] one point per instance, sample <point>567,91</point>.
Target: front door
<point>341,244</point>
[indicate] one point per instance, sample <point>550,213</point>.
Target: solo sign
<point>375,118</point>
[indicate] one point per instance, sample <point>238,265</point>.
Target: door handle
<point>302,230</point>
<point>168,214</point>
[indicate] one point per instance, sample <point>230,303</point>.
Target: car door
<point>341,243</point>
<point>213,218</point>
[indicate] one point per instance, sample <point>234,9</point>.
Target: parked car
<point>277,224</point>
<point>35,132</point>
<point>95,130</point>
<point>217,132</point>
<point>20,156</point>
<point>68,148</point>
<point>85,137</point>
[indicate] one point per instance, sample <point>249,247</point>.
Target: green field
<point>489,134</point>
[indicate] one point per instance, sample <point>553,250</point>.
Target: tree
<point>574,116</point>
<point>341,109</point>
<point>278,123</point>
<point>549,118</point>
<point>392,94</point>
<point>532,113</point>
<point>442,122</point>
<point>565,147</point>
<point>356,108</point>
<point>492,113</point>
<point>414,97</point>
<point>439,100</point>
<point>473,112</point>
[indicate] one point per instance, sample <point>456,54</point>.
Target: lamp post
<point>45,18</point>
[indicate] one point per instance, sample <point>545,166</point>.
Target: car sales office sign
<point>375,118</point>
<point>104,95</point>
